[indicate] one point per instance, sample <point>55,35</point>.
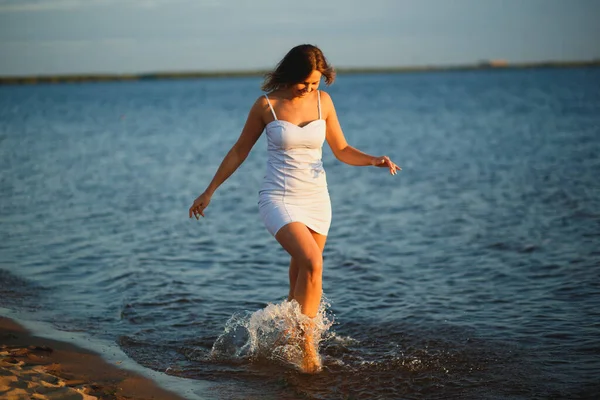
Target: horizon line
<point>183,74</point>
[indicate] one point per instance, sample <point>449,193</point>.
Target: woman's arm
<point>252,130</point>
<point>341,149</point>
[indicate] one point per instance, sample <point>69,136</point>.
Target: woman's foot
<point>311,362</point>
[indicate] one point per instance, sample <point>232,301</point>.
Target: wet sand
<point>32,367</point>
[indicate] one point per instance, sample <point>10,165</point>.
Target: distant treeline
<point>23,80</point>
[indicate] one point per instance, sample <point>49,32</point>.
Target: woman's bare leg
<point>298,241</point>
<point>293,272</point>
<point>293,277</point>
<point>307,257</point>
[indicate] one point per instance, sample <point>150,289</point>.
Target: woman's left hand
<point>384,161</point>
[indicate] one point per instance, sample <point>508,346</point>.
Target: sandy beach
<point>32,367</point>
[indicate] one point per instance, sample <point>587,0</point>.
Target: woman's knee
<point>306,254</point>
<point>313,265</point>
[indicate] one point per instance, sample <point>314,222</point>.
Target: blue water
<point>473,274</point>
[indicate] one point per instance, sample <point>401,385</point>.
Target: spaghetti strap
<point>273,111</point>
<point>319,102</point>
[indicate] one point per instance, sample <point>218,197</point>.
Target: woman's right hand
<point>201,202</point>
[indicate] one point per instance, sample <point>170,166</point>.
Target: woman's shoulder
<point>326,102</point>
<point>261,99</point>
<point>261,102</point>
<point>272,95</point>
<point>261,107</point>
<point>264,99</point>
<point>325,96</point>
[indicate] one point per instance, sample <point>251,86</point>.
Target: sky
<point>138,36</point>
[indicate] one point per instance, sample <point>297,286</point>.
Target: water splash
<point>274,333</point>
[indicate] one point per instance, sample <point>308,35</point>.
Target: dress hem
<point>309,226</point>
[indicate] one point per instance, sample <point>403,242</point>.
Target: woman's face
<point>310,83</point>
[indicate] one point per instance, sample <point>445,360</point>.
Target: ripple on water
<point>472,274</point>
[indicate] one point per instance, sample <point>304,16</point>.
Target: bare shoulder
<point>260,107</point>
<point>326,103</point>
<point>261,102</point>
<point>325,97</point>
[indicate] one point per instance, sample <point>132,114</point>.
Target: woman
<point>293,200</point>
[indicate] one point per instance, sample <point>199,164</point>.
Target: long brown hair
<point>297,64</point>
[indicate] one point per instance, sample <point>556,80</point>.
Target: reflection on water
<point>472,274</point>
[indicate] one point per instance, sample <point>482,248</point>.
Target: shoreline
<point>166,75</point>
<point>37,367</point>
